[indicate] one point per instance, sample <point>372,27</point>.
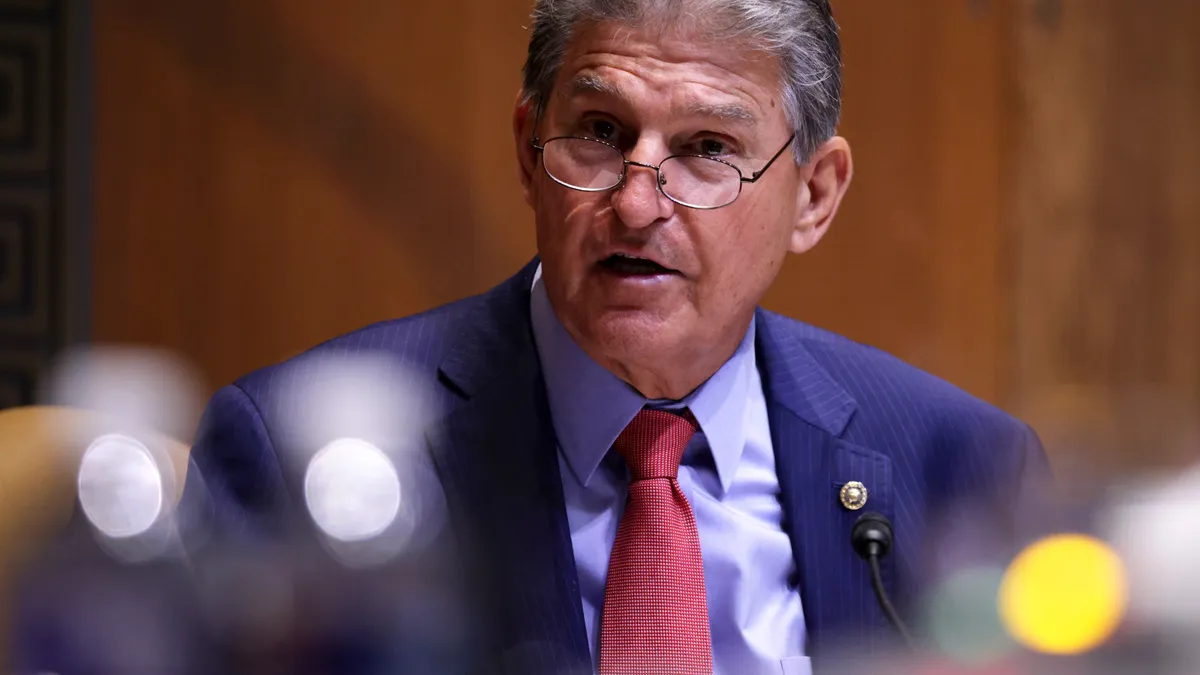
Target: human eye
<point>712,146</point>
<point>601,128</point>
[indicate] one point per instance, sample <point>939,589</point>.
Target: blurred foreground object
<point>149,576</point>
<point>135,387</point>
<point>40,480</point>
<point>1064,595</point>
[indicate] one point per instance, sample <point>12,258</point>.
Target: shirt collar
<point>590,406</point>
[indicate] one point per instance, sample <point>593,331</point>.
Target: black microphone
<point>872,540</point>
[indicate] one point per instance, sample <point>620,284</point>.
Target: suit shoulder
<point>945,443</point>
<point>885,386</point>
<point>417,343</point>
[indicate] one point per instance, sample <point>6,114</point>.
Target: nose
<point>638,202</point>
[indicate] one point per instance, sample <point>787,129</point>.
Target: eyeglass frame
<point>661,180</point>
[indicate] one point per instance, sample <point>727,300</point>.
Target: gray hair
<point>800,33</point>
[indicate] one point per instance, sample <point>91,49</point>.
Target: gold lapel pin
<point>853,495</point>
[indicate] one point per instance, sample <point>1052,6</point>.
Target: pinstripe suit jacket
<point>838,411</point>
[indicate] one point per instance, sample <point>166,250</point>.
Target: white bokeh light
<point>135,387</point>
<point>352,490</point>
<point>120,486</point>
<point>1153,528</point>
<point>365,396</point>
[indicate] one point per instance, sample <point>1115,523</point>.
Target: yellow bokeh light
<point>1065,594</point>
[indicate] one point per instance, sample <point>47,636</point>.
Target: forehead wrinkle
<point>726,112</point>
<point>619,45</point>
<point>692,106</point>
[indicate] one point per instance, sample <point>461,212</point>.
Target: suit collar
<point>493,333</point>
<point>795,380</point>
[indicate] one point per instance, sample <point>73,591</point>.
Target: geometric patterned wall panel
<point>32,155</point>
<point>19,373</point>
<point>26,91</point>
<point>26,283</point>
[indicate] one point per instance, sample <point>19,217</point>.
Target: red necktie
<point>655,618</point>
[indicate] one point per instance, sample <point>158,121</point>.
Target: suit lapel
<point>808,413</point>
<point>498,462</point>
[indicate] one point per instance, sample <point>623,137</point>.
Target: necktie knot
<point>654,442</point>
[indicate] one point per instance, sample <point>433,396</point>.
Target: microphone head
<point>872,535</point>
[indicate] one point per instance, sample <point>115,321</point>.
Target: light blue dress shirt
<point>727,475</point>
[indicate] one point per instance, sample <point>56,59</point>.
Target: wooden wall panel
<point>915,262</point>
<point>273,173</point>
<point>1106,215</point>
<point>1023,221</point>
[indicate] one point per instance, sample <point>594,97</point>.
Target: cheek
<point>551,210</point>
<point>743,256</point>
<point>564,226</point>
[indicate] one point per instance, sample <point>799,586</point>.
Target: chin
<point>634,336</point>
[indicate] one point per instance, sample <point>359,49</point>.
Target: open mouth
<point>627,265</point>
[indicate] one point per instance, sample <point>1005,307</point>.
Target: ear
<point>524,122</point>
<point>826,178</point>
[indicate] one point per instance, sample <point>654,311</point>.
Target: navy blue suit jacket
<point>838,410</point>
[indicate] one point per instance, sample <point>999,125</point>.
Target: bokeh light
<point>1153,526</point>
<point>372,397</point>
<point>352,490</point>
<point>120,486</point>
<point>1064,595</point>
<point>963,620</point>
<point>135,387</point>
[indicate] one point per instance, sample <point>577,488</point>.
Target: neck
<point>659,385</point>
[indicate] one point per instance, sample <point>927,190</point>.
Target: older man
<point>660,476</point>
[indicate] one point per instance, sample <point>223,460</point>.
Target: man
<point>659,476</point>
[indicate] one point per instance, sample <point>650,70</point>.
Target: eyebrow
<point>726,112</point>
<point>593,84</point>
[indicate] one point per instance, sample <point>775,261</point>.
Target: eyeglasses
<point>694,181</point>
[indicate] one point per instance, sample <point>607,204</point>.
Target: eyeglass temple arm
<point>757,174</point>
